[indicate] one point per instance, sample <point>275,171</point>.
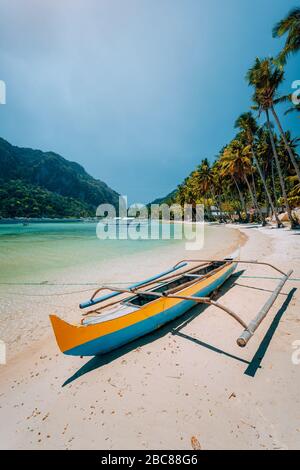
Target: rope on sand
<point>46,284</point>
<point>55,294</point>
<point>43,284</point>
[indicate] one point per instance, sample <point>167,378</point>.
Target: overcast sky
<point>137,91</point>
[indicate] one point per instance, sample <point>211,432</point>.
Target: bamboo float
<point>254,324</point>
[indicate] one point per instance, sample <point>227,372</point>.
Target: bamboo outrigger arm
<point>254,324</point>
<point>209,301</point>
<point>162,277</point>
<point>200,300</point>
<point>232,260</point>
<point>93,300</point>
<point>256,321</point>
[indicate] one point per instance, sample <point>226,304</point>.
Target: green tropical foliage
<point>233,183</point>
<point>243,182</point>
<point>289,27</point>
<point>257,174</point>
<point>46,178</point>
<point>18,199</point>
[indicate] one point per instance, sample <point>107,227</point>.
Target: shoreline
<point>27,302</point>
<point>169,387</point>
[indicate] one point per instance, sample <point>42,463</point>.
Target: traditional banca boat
<point>122,315</point>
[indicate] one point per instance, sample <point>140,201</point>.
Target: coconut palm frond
<point>289,25</point>
<point>284,25</point>
<point>283,99</point>
<point>293,109</point>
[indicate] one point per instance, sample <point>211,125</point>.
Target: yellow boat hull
<point>95,339</point>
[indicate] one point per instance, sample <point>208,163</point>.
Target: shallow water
<point>43,251</point>
<point>29,253</point>
<point>51,267</point>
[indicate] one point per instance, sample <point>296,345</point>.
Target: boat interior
<point>170,286</point>
<point>132,303</point>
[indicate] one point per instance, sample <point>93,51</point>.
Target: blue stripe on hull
<point>114,340</point>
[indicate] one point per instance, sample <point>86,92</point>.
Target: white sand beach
<point>187,383</point>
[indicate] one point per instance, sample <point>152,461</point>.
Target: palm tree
<point>294,194</point>
<point>293,143</point>
<point>264,154</point>
<point>181,194</point>
<point>186,193</point>
<point>291,179</point>
<point>203,182</point>
<point>217,187</point>
<point>266,77</point>
<point>248,125</point>
<point>204,177</point>
<point>286,143</point>
<point>289,25</point>
<point>227,169</point>
<point>237,159</point>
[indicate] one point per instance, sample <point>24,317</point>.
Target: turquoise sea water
<point>48,268</point>
<point>48,252</point>
<point>31,252</point>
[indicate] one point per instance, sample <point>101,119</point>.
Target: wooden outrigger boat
<point>124,315</point>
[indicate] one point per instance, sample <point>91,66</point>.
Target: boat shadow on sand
<point>175,328</point>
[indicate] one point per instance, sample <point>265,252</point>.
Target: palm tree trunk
<point>273,184</point>
<point>243,204</point>
<point>208,209</point>
<point>279,224</point>
<point>254,187</point>
<point>217,201</point>
<point>287,146</point>
<point>220,207</point>
<point>254,202</point>
<point>282,183</point>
